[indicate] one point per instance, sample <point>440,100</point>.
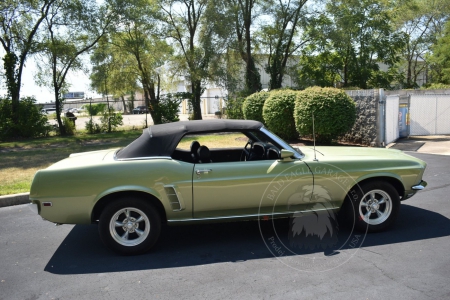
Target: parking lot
<point>42,261</point>
<point>129,120</point>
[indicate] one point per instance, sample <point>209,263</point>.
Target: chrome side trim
<point>140,158</point>
<point>420,186</point>
<point>282,214</point>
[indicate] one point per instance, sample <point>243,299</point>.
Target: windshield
<point>297,152</point>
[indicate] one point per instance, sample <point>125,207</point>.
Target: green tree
<point>422,22</point>
<point>113,71</point>
<point>72,29</point>
<point>19,24</point>
<point>138,36</point>
<point>187,24</point>
<point>243,14</point>
<point>363,35</point>
<point>440,59</point>
<point>278,37</point>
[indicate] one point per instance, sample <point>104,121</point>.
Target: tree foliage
<point>71,29</point>
<point>243,14</point>
<point>352,39</point>
<point>278,38</point>
<point>422,22</point>
<point>440,60</point>
<point>19,25</point>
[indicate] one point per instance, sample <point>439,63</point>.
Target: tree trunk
<point>62,129</point>
<point>196,99</point>
<point>124,104</point>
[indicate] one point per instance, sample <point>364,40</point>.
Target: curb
<point>16,199</point>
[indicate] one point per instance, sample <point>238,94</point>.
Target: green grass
<point>212,141</point>
<point>20,160</point>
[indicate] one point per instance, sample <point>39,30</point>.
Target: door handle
<point>206,171</point>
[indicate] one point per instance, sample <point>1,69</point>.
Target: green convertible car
<point>219,170</point>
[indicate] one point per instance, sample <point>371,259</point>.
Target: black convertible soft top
<point>161,140</point>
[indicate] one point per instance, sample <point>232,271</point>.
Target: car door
<point>242,188</point>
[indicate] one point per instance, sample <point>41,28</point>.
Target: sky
<point>79,82</point>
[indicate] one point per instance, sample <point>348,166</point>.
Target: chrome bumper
<point>420,186</point>
<point>34,208</point>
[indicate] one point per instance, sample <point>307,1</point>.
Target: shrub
<point>169,105</point>
<point>253,106</point>
<point>69,126</point>
<point>334,113</point>
<point>278,113</point>
<point>234,108</point>
<point>32,123</point>
<point>92,127</point>
<point>110,120</point>
<point>95,109</point>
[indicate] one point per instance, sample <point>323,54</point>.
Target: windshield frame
<point>282,143</point>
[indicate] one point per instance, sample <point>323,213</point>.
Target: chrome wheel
<point>375,207</point>
<point>129,226</point>
<point>371,206</point>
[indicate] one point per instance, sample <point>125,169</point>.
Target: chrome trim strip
<point>140,158</point>
<point>246,216</point>
<point>420,186</point>
<point>145,158</point>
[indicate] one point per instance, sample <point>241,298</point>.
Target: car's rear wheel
<point>373,206</point>
<point>129,226</point>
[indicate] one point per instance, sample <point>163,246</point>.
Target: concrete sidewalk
<point>421,144</point>
<point>432,144</point>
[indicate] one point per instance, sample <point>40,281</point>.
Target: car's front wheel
<point>129,226</point>
<point>373,206</point>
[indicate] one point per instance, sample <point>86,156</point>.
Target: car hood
<point>355,151</point>
<point>330,152</point>
<point>76,160</point>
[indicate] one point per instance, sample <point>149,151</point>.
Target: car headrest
<point>194,147</point>
<point>203,154</point>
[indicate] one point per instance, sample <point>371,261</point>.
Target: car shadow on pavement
<point>82,252</point>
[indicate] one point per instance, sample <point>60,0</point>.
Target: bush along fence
<point>355,117</point>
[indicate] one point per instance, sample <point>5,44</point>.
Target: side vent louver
<point>173,198</point>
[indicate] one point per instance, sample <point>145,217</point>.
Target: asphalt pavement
<point>231,261</point>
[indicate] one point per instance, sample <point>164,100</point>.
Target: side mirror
<point>286,154</point>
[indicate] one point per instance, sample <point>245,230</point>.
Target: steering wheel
<point>246,151</point>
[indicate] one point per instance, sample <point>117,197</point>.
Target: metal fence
<point>429,114</point>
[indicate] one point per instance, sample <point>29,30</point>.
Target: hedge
<point>253,106</point>
<point>278,113</point>
<point>334,113</point>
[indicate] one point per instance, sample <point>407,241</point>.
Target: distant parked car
<point>78,110</point>
<point>48,110</point>
<point>140,110</point>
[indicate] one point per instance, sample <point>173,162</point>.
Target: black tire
<point>140,228</point>
<point>372,206</point>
